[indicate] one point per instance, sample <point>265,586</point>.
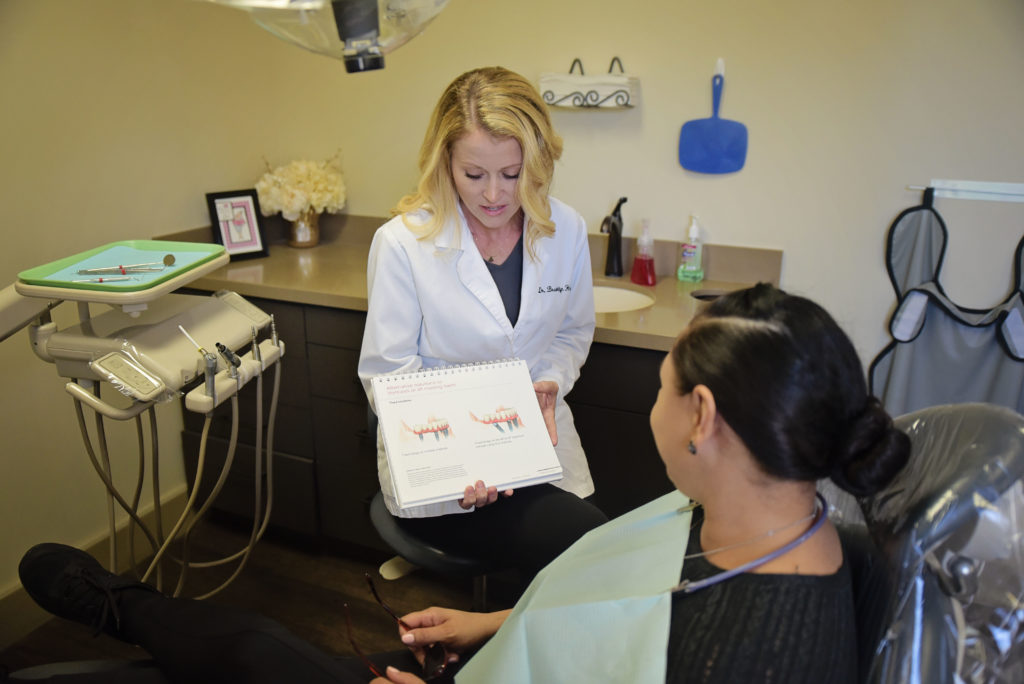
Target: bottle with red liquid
<point>643,262</point>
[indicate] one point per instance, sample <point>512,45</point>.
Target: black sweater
<point>762,627</point>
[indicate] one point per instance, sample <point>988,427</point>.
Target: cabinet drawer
<point>346,471</point>
<point>332,373</point>
<point>295,501</point>
<point>335,327</point>
<point>620,378</point>
<point>293,428</point>
<point>290,321</point>
<point>623,459</point>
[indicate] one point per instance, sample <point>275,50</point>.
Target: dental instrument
<point>168,260</point>
<point>103,280</point>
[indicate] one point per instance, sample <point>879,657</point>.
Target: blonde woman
<point>479,264</point>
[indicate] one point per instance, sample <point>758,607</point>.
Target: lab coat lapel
<point>532,271</point>
<point>473,272</point>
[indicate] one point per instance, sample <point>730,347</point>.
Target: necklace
<point>764,535</point>
<point>688,587</point>
<point>480,248</point>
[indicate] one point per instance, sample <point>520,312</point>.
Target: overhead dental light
<point>358,32</point>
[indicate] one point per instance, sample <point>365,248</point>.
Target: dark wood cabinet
<point>292,508</point>
<point>611,405</point>
<point>346,452</point>
<point>325,460</point>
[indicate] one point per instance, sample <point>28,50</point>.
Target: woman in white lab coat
<point>480,264</point>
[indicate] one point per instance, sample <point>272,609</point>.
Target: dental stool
<point>414,552</point>
<point>430,556</point>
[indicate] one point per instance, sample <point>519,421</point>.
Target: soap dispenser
<point>691,257</point>
<point>612,225</point>
<point>643,262</point>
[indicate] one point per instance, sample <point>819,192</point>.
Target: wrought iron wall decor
<point>577,90</point>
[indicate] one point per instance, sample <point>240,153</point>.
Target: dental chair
<point>941,596</point>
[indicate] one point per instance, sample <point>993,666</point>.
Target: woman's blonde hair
<point>505,105</point>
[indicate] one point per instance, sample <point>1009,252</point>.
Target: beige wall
<point>119,115</point>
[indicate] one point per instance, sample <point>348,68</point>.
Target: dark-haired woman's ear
<point>704,414</point>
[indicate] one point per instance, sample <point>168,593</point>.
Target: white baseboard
<point>19,614</point>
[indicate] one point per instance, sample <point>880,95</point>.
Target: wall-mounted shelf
<point>578,91</point>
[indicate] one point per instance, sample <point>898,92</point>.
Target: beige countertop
<point>333,274</point>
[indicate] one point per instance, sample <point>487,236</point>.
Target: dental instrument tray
<point>122,273</point>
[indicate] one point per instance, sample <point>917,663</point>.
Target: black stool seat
<point>428,555</point>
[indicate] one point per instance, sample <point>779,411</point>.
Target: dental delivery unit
<point>153,347</point>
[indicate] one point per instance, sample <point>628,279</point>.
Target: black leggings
<point>525,531</point>
<point>197,641</point>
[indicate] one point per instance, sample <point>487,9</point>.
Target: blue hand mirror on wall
<point>713,145</point>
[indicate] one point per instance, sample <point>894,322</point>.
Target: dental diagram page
<point>445,428</point>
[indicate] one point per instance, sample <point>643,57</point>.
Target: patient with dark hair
<point>736,577</point>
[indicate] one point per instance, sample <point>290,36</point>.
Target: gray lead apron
<point>942,353</point>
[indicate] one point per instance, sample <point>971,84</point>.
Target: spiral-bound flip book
<point>445,428</point>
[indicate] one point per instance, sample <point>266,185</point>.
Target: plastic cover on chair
<point>950,525</point>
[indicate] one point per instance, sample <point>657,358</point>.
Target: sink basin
<point>612,299</point>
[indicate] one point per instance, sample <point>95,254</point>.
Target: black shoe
<point>72,584</point>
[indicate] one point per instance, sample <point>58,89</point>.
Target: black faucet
<point>612,225</point>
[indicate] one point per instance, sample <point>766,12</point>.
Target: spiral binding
<point>447,369</point>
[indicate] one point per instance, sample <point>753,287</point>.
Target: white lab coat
<point>434,303</point>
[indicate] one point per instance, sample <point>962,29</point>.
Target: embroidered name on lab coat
<point>554,288</point>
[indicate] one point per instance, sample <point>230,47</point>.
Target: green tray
<point>63,272</point>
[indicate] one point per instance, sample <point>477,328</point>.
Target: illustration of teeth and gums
<point>509,417</point>
<point>437,427</point>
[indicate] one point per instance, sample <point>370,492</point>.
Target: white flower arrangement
<point>301,186</point>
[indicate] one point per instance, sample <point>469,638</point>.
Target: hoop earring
<point>691,448</point>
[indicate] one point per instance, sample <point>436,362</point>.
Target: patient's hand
<point>398,677</point>
<point>456,630</point>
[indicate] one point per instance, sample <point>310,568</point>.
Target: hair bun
<point>875,452</point>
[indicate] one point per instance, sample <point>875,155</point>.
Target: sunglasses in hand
<point>435,657</point>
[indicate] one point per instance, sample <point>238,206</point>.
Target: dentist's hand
<point>480,495</point>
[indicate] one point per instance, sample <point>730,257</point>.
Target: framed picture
<point>235,217</point>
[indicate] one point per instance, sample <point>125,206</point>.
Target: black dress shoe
<point>72,584</point>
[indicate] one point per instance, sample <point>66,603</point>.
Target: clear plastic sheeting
<point>992,604</point>
<point>950,528</point>
<point>135,381</point>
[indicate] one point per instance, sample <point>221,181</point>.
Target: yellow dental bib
<point>598,612</point>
